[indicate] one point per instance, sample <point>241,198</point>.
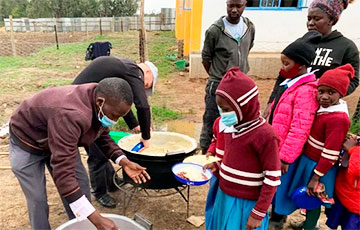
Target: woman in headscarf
<point>333,49</point>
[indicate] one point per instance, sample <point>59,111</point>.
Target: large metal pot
<point>159,167</point>
<point>122,222</point>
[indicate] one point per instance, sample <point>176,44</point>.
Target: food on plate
<point>192,174</point>
<point>201,159</point>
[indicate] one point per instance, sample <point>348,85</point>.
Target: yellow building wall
<point>188,24</point>
<point>179,21</point>
<point>196,22</point>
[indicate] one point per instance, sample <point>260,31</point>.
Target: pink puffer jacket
<point>294,115</point>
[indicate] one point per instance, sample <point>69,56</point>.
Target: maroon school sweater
<point>56,122</point>
<point>326,139</point>
<point>250,168</point>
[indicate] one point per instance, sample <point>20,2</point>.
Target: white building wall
<point>275,29</point>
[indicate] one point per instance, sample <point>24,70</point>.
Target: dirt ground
<point>177,92</point>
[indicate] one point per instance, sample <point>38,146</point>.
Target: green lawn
<point>57,67</point>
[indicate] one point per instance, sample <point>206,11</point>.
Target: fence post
<point>56,37</point>
<point>100,27</point>
<point>86,28</point>
<point>121,24</point>
<point>13,47</point>
<point>113,24</point>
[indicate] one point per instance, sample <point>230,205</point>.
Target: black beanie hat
<point>300,51</point>
<point>303,49</point>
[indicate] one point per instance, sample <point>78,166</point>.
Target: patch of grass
<point>57,82</point>
<point>159,115</point>
<point>355,127</point>
<point>159,48</point>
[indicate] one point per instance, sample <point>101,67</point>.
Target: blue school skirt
<point>339,215</point>
<point>210,200</point>
<point>301,176</point>
<point>282,203</point>
<point>231,213</point>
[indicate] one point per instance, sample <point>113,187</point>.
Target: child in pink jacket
<point>291,114</point>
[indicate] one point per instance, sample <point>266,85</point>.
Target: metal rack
<point>131,190</point>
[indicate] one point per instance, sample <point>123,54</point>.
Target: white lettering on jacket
<point>322,57</point>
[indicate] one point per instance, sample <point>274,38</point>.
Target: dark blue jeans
<point>101,171</point>
<point>210,115</point>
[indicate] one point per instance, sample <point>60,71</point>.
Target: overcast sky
<point>154,6</point>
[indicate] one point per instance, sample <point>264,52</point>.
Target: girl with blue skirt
<point>249,171</point>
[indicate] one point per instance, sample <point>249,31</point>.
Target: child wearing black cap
<point>292,113</point>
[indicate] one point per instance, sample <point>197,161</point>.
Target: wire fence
<point>114,24</point>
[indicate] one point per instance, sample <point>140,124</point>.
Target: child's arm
<point>304,110</point>
<point>335,133</point>
<point>270,161</point>
<point>212,147</point>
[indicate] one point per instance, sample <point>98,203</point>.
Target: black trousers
<point>101,171</point>
<point>210,115</point>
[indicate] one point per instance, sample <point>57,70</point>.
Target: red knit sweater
<point>347,187</point>
<point>326,138</point>
<point>251,166</point>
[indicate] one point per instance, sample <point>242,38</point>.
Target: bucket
<point>180,64</point>
<point>122,222</point>
<point>116,135</point>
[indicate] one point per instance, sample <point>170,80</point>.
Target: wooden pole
<point>100,26</point>
<point>13,47</point>
<point>142,35</point>
<point>86,28</point>
<point>113,24</point>
<point>56,38</point>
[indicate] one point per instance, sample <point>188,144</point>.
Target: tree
<point>16,8</point>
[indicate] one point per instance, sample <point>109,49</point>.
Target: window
<point>276,4</point>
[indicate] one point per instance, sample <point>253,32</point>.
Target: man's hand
<point>136,129</point>
<point>284,168</point>
<point>102,223</point>
<point>135,171</point>
<point>312,185</point>
<point>252,223</point>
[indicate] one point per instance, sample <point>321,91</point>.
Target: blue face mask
<point>105,121</point>
<point>229,118</point>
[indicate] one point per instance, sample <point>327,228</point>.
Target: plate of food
<point>201,159</point>
<point>191,174</point>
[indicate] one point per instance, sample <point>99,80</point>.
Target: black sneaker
<point>107,201</point>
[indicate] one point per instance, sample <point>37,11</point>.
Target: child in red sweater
<point>346,210</point>
<point>328,132</point>
<point>250,168</point>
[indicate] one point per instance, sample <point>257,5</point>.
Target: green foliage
<point>16,8</point>
<point>67,8</point>
<point>355,127</point>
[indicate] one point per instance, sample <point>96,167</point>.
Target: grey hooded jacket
<point>223,51</point>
